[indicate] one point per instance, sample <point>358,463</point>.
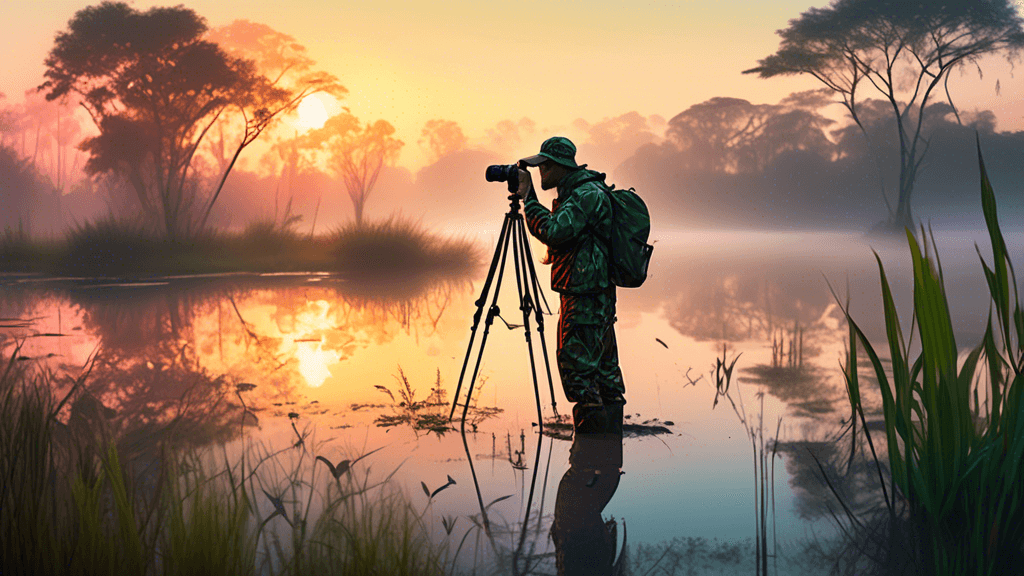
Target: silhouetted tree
<point>20,187</point>
<point>734,136</point>
<point>154,87</point>
<point>354,152</point>
<point>905,50</point>
<point>508,137</point>
<point>612,140</point>
<point>442,137</point>
<point>277,56</point>
<point>8,122</point>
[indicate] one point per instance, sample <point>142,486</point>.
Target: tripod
<point>513,231</point>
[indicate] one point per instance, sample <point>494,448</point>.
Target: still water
<point>329,360</point>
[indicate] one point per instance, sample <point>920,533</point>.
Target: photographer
<point>586,353</point>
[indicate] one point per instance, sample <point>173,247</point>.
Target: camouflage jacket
<point>579,263</point>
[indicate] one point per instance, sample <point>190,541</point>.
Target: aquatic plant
<point>765,450</point>
<point>955,497</point>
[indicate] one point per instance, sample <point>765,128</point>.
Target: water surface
<point>332,358</point>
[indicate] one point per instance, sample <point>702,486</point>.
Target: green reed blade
<point>1001,295</point>
<point>903,396</point>
<point>995,375</point>
<point>126,523</point>
<point>894,423</point>
<point>892,326</point>
<point>967,373</point>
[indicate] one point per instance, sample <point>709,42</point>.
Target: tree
<point>442,137</point>
<point>20,190</point>
<point>154,86</point>
<point>355,152</point>
<point>612,140</point>
<point>277,56</point>
<point>507,137</point>
<point>905,51</point>
<point>735,136</point>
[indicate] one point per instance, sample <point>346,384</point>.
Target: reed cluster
<point>954,424</point>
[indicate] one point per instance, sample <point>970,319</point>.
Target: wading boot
<point>590,418</point>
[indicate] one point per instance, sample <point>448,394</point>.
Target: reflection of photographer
<point>584,542</point>
<point>581,214</point>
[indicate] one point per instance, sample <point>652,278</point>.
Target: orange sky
<point>480,62</point>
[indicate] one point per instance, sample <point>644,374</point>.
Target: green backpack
<point>629,254</point>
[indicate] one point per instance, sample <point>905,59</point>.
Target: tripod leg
<point>526,305</point>
<point>505,227</point>
<point>535,284</point>
<point>491,313</point>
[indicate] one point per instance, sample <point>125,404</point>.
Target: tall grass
<point>69,504</point>
<point>956,490</point>
<point>18,252</point>
<point>386,250</point>
<point>110,247</point>
<point>400,246</point>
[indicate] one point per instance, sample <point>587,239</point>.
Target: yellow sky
<point>477,63</point>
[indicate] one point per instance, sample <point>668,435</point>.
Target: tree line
<point>173,105</point>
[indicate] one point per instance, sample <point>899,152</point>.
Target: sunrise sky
<point>481,62</point>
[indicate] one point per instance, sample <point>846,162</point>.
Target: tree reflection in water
<point>169,357</point>
<point>752,303</point>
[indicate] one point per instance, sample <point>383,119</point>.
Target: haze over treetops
<point>478,63</point>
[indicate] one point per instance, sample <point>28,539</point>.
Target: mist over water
<point>319,347</point>
<point>768,219</point>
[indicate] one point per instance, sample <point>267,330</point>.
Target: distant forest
<point>724,163</point>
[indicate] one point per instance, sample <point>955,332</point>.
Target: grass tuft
<point>398,247</point>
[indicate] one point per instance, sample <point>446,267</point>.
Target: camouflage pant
<point>587,356</point>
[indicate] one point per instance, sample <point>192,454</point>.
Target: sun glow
<point>312,113</point>
<point>311,332</point>
<point>314,362</point>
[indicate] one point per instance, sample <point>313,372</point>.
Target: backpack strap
<point>607,188</point>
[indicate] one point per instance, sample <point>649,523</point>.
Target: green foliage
<point>17,250</point>
<point>957,465</point>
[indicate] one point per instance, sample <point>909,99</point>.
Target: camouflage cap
<point>557,149</point>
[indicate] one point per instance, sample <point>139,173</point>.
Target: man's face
<point>550,174</point>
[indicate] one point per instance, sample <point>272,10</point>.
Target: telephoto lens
<point>503,173</point>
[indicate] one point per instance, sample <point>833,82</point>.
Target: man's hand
<point>525,183</point>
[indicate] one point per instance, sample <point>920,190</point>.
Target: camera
<point>504,173</point>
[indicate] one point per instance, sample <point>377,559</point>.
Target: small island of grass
<point>111,247</point>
